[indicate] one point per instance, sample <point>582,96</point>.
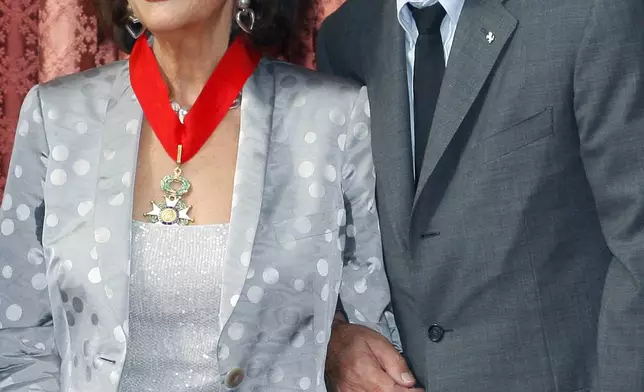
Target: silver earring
<point>245,16</point>
<point>134,26</point>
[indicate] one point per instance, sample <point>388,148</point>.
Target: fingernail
<point>407,377</point>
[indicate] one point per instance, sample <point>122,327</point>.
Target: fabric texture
<point>517,264</point>
<point>175,292</point>
<point>304,227</point>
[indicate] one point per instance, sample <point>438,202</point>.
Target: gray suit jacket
<point>524,242</point>
<point>303,229</point>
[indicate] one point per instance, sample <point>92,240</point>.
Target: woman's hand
<point>361,360</point>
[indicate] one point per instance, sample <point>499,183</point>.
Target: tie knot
<point>428,19</point>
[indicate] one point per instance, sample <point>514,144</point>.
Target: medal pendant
<point>173,210</point>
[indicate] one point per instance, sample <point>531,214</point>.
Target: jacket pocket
<point>305,226</point>
<point>520,135</point>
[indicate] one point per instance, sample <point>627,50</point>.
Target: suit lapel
<point>389,100</point>
<point>255,128</point>
<point>470,63</point>
<point>114,195</point>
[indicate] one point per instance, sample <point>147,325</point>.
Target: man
<point>510,185</point>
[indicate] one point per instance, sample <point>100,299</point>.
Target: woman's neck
<point>188,57</point>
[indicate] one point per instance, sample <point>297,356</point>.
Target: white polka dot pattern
<point>306,169</point>
<point>58,177</point>
<point>330,173</point>
<point>132,127</point>
<point>109,154</point>
<point>53,114</point>
<point>14,312</point>
<point>93,253</point>
<point>35,256</point>
<point>323,267</point>
<point>236,331</point>
<point>127,179</point>
<point>245,259</point>
<point>255,294</point>
<point>81,128</point>
<point>324,295</point>
<point>318,186</point>
<point>23,128</point>
<point>299,285</point>
<point>60,153</point>
<point>233,300</point>
<point>298,341</point>
<point>303,225</point>
<point>7,202</point>
<point>119,334</point>
<point>7,227</point>
<point>117,199</point>
<point>67,265</point>
<point>223,352</point>
<point>39,281</point>
<point>310,137</point>
<point>305,383</point>
<point>51,220</point>
<point>81,167</point>
<point>317,190</point>
<point>94,275</point>
<point>84,208</point>
<point>102,235</point>
<point>271,276</point>
<point>114,377</point>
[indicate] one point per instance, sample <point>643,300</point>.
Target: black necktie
<point>429,68</point>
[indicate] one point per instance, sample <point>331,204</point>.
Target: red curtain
<point>43,39</point>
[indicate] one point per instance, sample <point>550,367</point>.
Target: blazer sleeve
<point>29,359</point>
<point>364,291</point>
<point>609,109</point>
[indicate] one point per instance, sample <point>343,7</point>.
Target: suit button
<point>436,333</point>
<point>235,378</point>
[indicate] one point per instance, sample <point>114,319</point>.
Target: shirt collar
<point>452,7</point>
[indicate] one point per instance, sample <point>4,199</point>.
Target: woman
<point>229,279</point>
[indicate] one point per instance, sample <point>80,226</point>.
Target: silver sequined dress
<point>175,294</point>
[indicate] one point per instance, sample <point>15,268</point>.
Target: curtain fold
<point>44,39</point>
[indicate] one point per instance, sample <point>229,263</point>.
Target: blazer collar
<point>250,173</point>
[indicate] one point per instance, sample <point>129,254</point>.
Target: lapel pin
<point>490,37</point>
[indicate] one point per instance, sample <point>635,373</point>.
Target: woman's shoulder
<point>91,83</point>
<point>290,77</point>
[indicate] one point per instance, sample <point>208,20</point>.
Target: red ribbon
<point>212,105</point>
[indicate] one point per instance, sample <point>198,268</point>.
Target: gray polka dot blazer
<point>303,229</point>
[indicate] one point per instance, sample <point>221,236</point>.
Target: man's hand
<point>362,360</point>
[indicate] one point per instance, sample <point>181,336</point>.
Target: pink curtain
<point>43,39</point>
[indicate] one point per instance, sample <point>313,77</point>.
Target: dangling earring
<point>133,25</point>
<point>245,16</point>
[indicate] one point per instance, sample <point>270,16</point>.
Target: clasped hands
<point>362,360</point>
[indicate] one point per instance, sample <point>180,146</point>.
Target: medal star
<point>156,210</point>
<point>183,214</point>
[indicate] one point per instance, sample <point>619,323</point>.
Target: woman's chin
<point>165,15</point>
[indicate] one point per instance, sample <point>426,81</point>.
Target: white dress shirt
<point>448,28</point>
